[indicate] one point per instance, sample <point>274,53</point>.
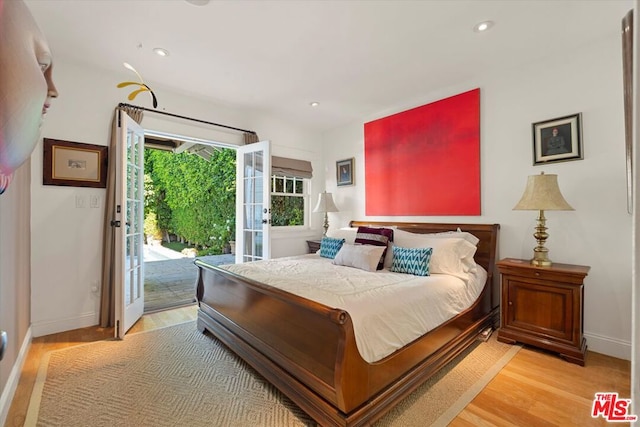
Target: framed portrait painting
<point>557,140</point>
<point>74,164</point>
<point>344,172</point>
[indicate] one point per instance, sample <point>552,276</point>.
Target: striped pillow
<point>329,247</point>
<point>375,237</point>
<point>411,260</point>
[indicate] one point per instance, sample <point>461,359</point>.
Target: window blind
<point>291,167</point>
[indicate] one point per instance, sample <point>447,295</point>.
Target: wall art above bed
<point>425,161</point>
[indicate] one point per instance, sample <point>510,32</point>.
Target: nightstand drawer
<point>560,273</point>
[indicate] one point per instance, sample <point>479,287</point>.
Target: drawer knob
<point>537,274</point>
<point>510,303</point>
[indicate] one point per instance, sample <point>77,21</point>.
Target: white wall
<point>598,232</point>
<point>65,240</point>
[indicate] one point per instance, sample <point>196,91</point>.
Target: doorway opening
<point>189,213</point>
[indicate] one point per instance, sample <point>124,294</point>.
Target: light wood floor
<point>535,388</point>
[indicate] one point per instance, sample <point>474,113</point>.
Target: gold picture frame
<point>74,164</point>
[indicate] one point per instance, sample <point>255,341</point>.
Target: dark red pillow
<point>376,237</point>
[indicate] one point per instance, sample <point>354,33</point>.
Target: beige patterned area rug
<point>177,376</point>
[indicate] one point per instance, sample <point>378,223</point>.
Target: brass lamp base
<point>325,226</point>
<point>540,253</point>
<point>540,260</point>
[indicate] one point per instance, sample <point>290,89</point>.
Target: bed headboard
<point>486,255</point>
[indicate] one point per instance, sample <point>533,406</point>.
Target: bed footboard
<point>310,342</point>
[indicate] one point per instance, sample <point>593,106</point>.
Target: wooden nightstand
<point>314,246</point>
<point>542,306</point>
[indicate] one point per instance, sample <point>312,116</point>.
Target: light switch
<point>94,201</point>
<point>81,201</point>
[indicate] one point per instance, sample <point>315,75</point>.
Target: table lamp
<point>542,194</point>
<point>325,204</point>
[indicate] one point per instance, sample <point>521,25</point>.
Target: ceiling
<point>356,58</point>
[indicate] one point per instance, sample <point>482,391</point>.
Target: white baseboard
<point>14,377</point>
<point>610,346</point>
<point>62,325</point>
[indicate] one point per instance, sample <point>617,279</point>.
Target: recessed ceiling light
<point>198,2</point>
<point>314,104</point>
<point>483,26</point>
<point>160,51</point>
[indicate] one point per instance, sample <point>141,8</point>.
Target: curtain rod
<point>122,104</point>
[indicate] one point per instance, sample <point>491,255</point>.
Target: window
<point>288,201</point>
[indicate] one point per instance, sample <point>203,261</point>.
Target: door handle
<point>115,223</point>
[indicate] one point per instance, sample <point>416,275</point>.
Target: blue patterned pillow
<point>329,247</point>
<point>411,260</point>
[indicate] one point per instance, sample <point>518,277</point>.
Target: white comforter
<point>388,310</point>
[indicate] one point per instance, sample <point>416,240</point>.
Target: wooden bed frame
<point>308,350</point>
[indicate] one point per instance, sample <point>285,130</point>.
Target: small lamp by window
<point>325,204</point>
<point>542,194</point>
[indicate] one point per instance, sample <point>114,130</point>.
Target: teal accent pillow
<point>411,260</point>
<point>330,246</point>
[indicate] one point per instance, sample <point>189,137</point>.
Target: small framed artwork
<point>344,172</point>
<point>557,140</point>
<point>74,164</point>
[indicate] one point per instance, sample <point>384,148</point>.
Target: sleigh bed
<point>308,350</point>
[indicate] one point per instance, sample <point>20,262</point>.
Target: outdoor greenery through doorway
<point>191,200</point>
<point>189,209</point>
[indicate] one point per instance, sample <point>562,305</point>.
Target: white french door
<point>129,213</point>
<point>253,201</point>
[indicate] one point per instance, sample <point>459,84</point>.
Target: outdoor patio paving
<point>170,277</point>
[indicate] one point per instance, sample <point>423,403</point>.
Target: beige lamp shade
<point>542,193</point>
<point>325,203</point>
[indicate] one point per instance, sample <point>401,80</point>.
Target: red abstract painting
<point>425,161</point>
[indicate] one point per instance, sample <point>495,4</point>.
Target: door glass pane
<point>127,287</point>
<point>257,249</point>
<point>259,166</point>
<point>248,216</point>
<point>138,223</point>
<point>257,217</point>
<point>248,164</point>
<point>136,149</point>
<point>127,150</point>
<point>248,190</point>
<point>134,284</point>
<point>248,242</point>
<point>259,190</point>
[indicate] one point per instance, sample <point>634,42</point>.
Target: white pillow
<point>364,257</point>
<point>458,234</point>
<point>346,233</point>
<point>450,255</point>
